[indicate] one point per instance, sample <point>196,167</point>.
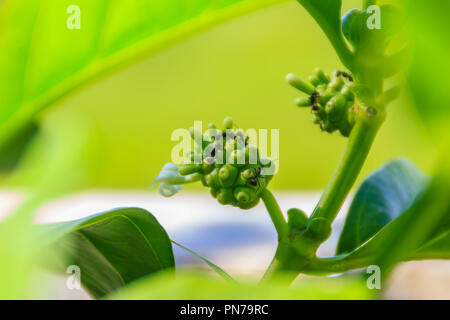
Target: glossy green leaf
<point>112,249</point>
<point>327,13</point>
<point>198,286</point>
<point>382,197</point>
<point>43,58</point>
<point>213,266</point>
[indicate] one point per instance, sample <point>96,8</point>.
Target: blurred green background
<point>236,69</point>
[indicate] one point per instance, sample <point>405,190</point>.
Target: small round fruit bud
<point>214,192</point>
<point>212,179</point>
<point>297,219</point>
<point>225,196</point>
<point>244,195</point>
<point>228,123</point>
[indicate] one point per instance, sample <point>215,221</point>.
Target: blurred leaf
<point>42,60</point>
<point>439,246</point>
<point>428,76</point>
<point>327,13</point>
<point>382,197</point>
<point>17,248</point>
<point>55,171</point>
<point>198,286</point>
<point>111,248</point>
<point>216,268</point>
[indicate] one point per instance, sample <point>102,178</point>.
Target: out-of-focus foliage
<point>236,69</point>
<point>57,171</point>
<point>429,218</point>
<point>189,285</point>
<point>428,75</point>
<point>327,13</point>
<point>42,59</point>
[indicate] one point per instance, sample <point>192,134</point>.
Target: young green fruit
<point>230,166</point>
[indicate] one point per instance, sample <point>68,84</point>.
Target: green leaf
<point>216,268</point>
<point>327,13</point>
<point>112,249</point>
<point>382,197</point>
<point>439,246</point>
<point>197,286</point>
<point>42,60</point>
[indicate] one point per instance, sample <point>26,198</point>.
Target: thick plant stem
<point>279,269</point>
<point>355,154</point>
<point>286,264</point>
<point>275,214</point>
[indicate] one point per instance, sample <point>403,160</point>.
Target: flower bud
<point>331,100</point>
<point>299,84</point>
<point>303,102</point>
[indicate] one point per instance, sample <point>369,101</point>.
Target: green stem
<point>355,154</point>
<point>275,214</point>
